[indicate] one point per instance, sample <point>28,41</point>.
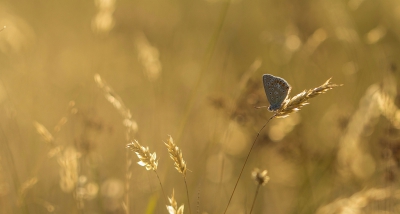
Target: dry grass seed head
<point>149,57</point>
<point>68,161</point>
<point>118,103</point>
<point>295,103</point>
<point>113,97</point>
<point>176,155</point>
<point>47,136</point>
<point>173,208</point>
<point>24,189</point>
<point>260,178</point>
<point>146,158</point>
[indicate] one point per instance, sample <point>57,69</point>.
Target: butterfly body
<point>276,89</point>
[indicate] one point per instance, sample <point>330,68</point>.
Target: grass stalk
<point>147,159</point>
<point>255,196</point>
<point>290,105</point>
<point>180,165</point>
<point>162,188</point>
<point>261,179</point>
<point>247,158</point>
<point>187,194</point>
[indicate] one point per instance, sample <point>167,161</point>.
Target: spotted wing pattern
<point>276,89</point>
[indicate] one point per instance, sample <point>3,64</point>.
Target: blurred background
<point>79,80</point>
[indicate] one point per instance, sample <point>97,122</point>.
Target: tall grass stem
<point>255,196</point>
<point>247,158</point>
<point>187,194</point>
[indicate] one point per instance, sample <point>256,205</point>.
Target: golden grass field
<point>86,84</point>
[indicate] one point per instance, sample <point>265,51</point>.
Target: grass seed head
<point>260,178</point>
<point>176,155</point>
<point>146,158</point>
<point>294,104</point>
<point>173,208</point>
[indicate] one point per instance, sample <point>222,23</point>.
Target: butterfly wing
<point>267,82</point>
<point>276,89</point>
<point>283,90</point>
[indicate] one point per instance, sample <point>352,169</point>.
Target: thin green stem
<point>162,188</point>
<point>187,194</point>
<point>247,158</point>
<point>255,196</point>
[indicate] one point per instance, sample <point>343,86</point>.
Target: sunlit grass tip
<point>46,135</point>
<point>260,177</point>
<point>173,207</point>
<point>117,102</point>
<point>294,104</point>
<point>146,158</point>
<point>176,155</point>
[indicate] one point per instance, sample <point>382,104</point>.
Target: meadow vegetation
<point>118,106</point>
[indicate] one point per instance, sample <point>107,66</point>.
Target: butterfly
<point>276,89</point>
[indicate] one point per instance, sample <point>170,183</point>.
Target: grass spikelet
<point>261,179</point>
<point>360,202</point>
<point>294,104</point>
<point>60,123</point>
<point>24,189</point>
<point>149,57</point>
<point>131,128</point>
<point>352,158</point>
<point>117,102</point>
<point>176,155</point>
<point>388,108</point>
<point>146,158</point>
<point>68,162</point>
<point>47,136</point>
<point>173,207</point>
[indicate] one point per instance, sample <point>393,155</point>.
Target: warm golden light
<point>160,106</point>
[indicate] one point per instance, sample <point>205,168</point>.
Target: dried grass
<point>146,158</point>
<point>42,131</point>
<point>294,104</point>
<point>288,106</point>
<point>149,57</point>
<point>131,128</point>
<point>173,207</point>
<point>68,162</point>
<point>24,189</point>
<point>117,102</point>
<point>363,201</point>
<point>176,155</point>
<point>259,177</point>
